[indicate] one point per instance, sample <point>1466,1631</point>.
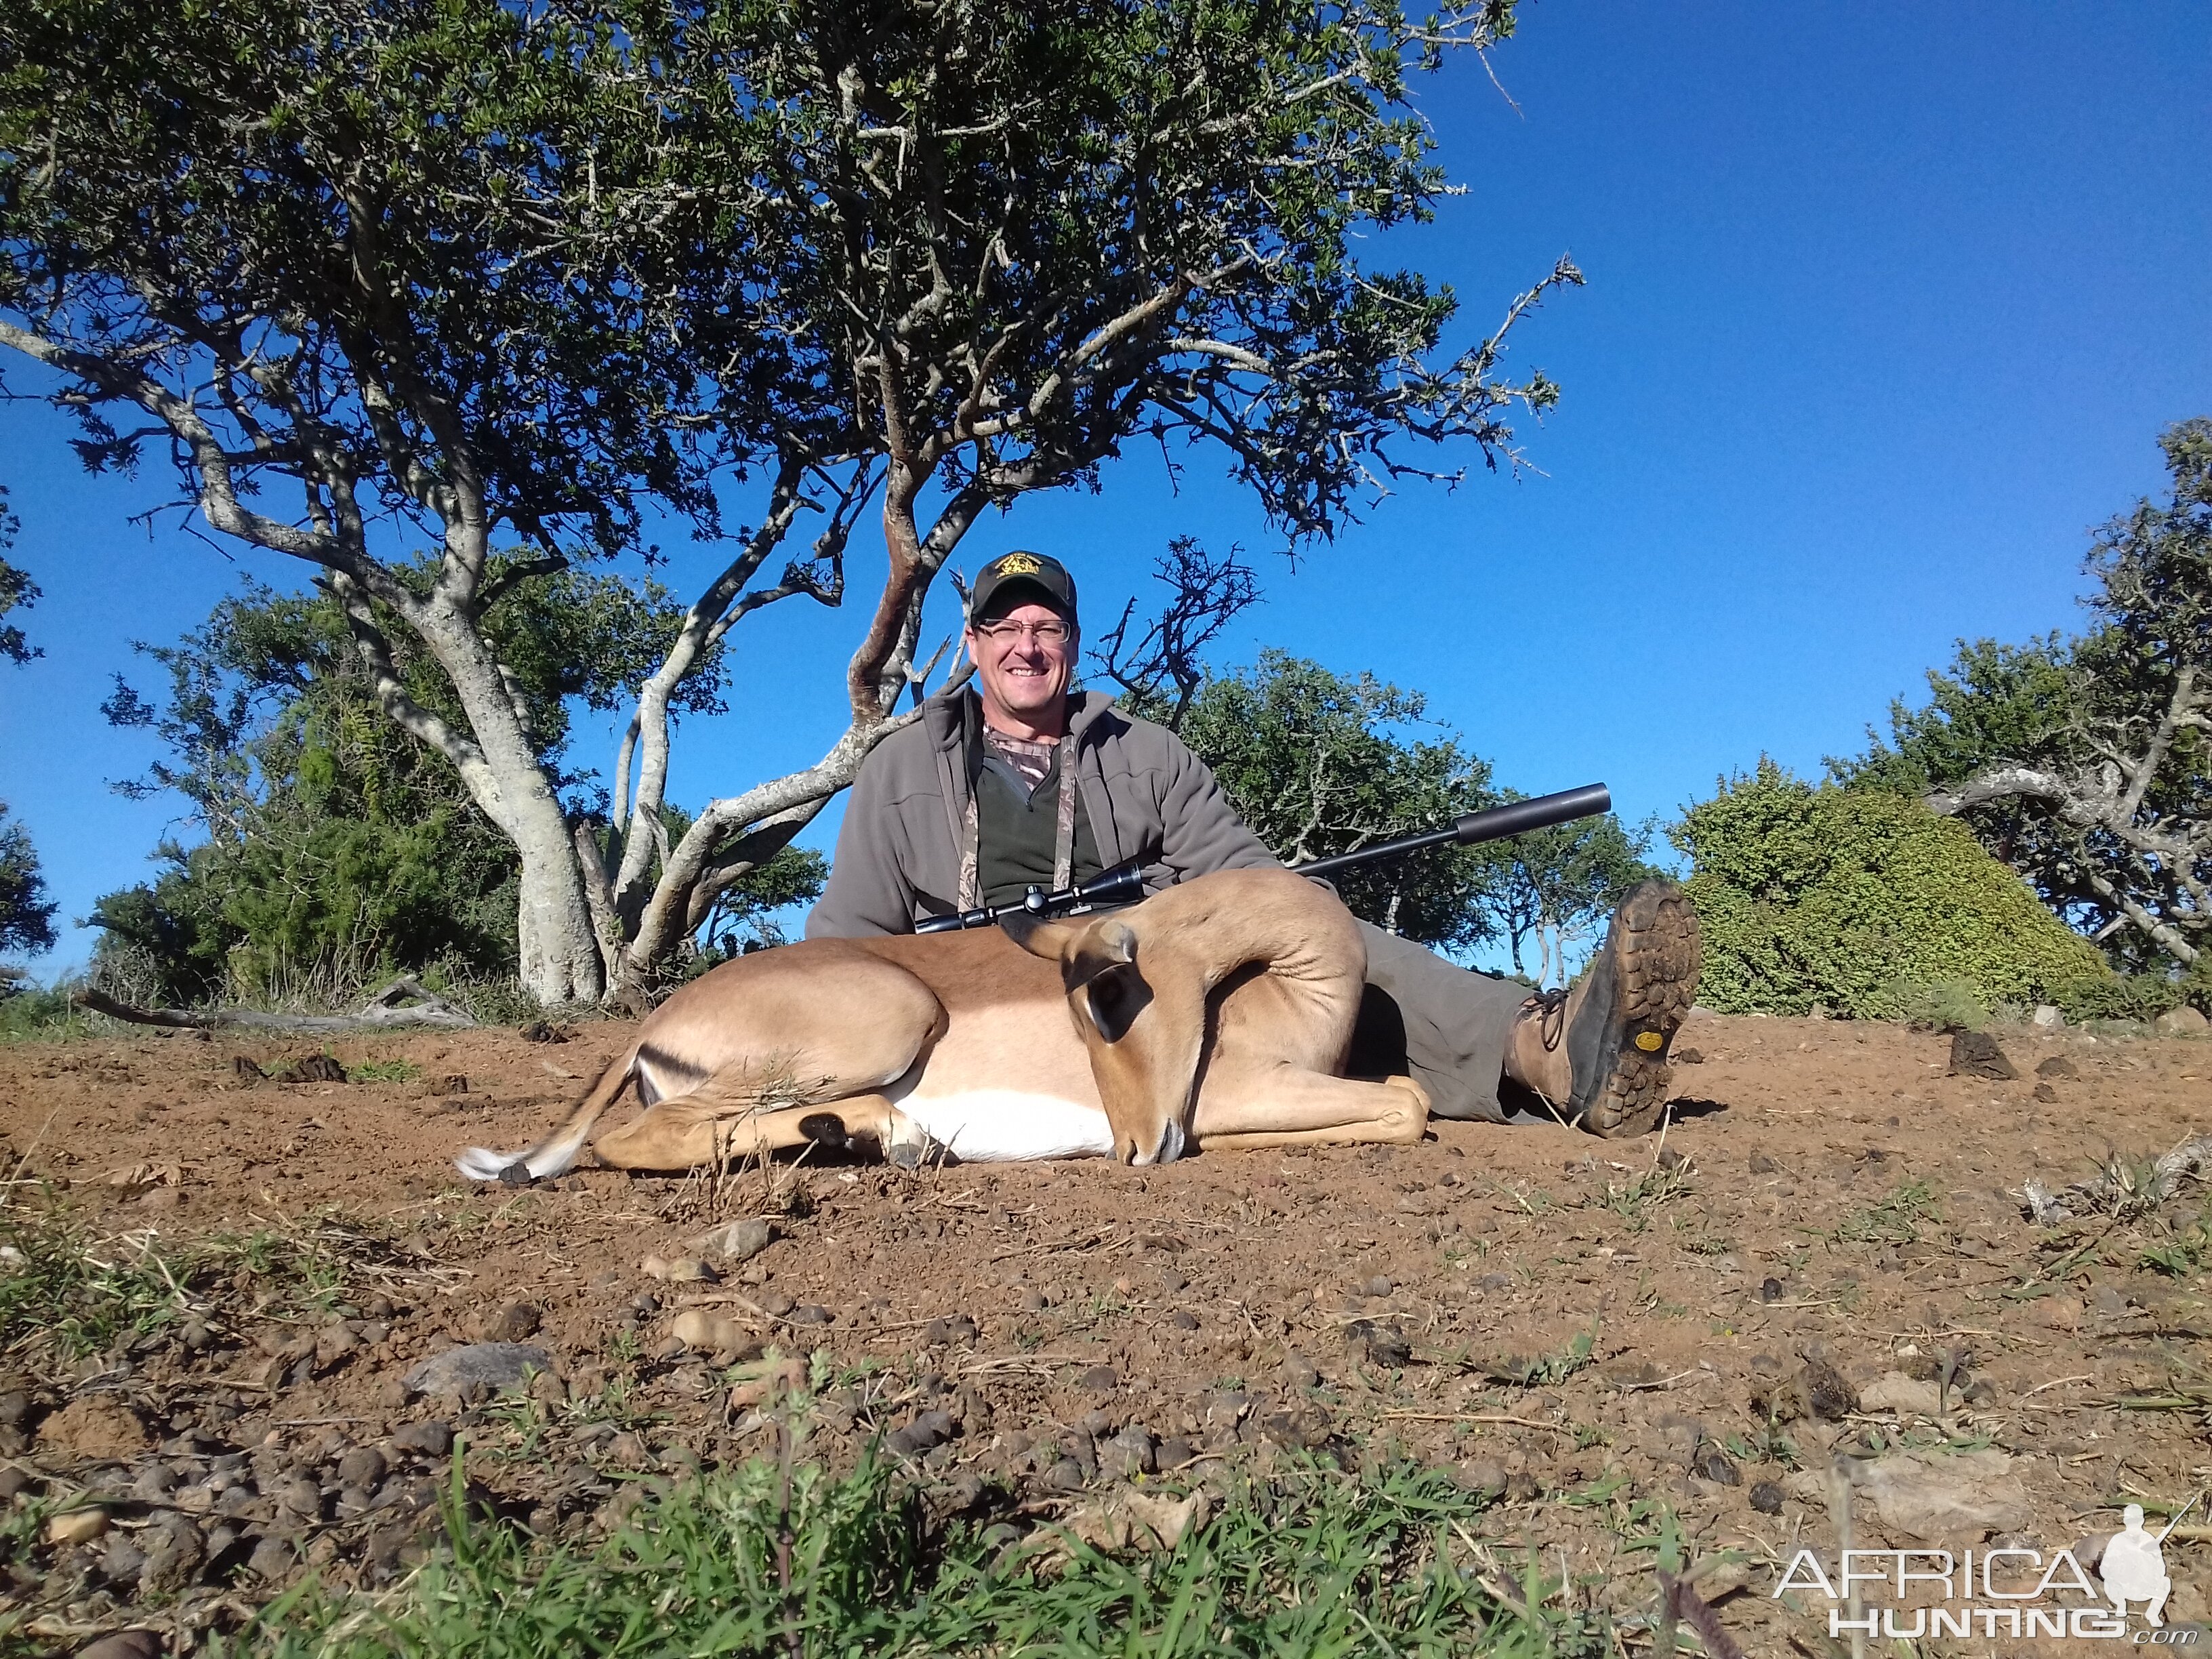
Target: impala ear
<point>1104,945</point>
<point>1049,940</point>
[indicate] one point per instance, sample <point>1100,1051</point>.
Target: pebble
<point>12,1481</point>
<point>1771,1289</point>
<point>362,1467</point>
<point>1762,1164</point>
<point>515,1322</point>
<point>431,1438</point>
<point>496,1366</point>
<point>709,1331</point>
<point>1183,1320</point>
<point>76,1525</point>
<point>734,1241</point>
<point>1100,1379</point>
<point>1378,1286</point>
<point>927,1429</point>
<point>1174,1452</point>
<point>812,1313</point>
<point>123,1560</point>
<point>1066,1475</point>
<point>271,1558</point>
<point>1098,1423</point>
<point>1033,1300</point>
<point>126,1644</point>
<point>1482,1474</point>
<point>1299,1372</point>
<point>1766,1498</point>
<point>1131,1453</point>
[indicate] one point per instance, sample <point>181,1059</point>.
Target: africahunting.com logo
<point>2008,1590</point>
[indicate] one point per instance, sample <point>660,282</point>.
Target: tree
<point>1162,669</point>
<point>336,848</point>
<point>1318,763</point>
<point>1558,888</point>
<point>2087,763</point>
<point>27,917</point>
<point>17,590</point>
<point>382,273</point>
<point>1861,900</point>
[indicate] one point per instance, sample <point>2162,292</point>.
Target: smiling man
<point>972,803</point>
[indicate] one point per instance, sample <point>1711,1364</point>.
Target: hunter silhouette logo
<point>1018,564</point>
<point>2133,1568</point>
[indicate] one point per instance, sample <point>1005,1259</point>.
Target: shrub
<point>1865,901</point>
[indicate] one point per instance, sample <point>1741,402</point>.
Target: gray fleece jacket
<point>1146,796</point>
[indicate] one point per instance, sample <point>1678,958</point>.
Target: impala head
<point>1142,1022</point>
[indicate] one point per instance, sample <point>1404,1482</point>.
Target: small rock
<point>1772,1290</point>
<point>1379,1344</point>
<point>1766,1498</point>
<point>1482,1474</point>
<point>927,1429</point>
<point>1033,1300</point>
<point>812,1313</point>
<point>1897,1392</point>
<point>2046,1093</point>
<point>126,1644</point>
<point>178,1551</point>
<point>271,1558</point>
<point>2046,1017</point>
<point>2057,1066</point>
<point>734,1241</point>
<point>1762,1164</point>
<point>76,1525</point>
<point>123,1560</point>
<point>1183,1320</point>
<point>1688,1057</point>
<point>1929,1496</point>
<point>691,1270</point>
<point>515,1322</point>
<point>1098,1423</point>
<point>1130,1453</point>
<point>1712,1462</point>
<point>707,1332</point>
<point>431,1439</point>
<point>2184,1021</point>
<point>12,1481</point>
<point>1066,1475</point>
<point>1100,1379</point>
<point>1377,1287</point>
<point>453,1082</point>
<point>1976,1054</point>
<point>1174,1452</point>
<point>14,1409</point>
<point>494,1366</point>
<point>364,1466</point>
<point>302,1498</point>
<point>1299,1372</point>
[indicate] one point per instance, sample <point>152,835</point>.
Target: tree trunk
<point>559,949</point>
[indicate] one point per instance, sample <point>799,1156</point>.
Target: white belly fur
<point>999,1126</point>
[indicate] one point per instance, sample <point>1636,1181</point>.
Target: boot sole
<point>1655,958</point>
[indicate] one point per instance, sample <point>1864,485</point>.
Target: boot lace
<point>1550,1008</point>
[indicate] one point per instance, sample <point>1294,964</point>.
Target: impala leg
<point>1281,1106</point>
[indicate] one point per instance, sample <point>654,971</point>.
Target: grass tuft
<point>762,1561</point>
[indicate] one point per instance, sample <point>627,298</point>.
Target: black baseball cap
<point>1023,570</point>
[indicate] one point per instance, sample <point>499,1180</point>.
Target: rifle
<point>1125,883</point>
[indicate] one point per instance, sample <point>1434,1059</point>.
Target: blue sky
<point>1886,305</point>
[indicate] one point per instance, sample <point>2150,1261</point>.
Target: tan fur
<point>1219,1012</point>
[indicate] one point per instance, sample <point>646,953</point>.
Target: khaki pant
<point>1445,1026</point>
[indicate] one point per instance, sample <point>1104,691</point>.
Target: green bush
<point>2126,996</point>
<point>1865,901</point>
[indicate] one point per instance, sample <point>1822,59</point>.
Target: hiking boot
<point>1598,1053</point>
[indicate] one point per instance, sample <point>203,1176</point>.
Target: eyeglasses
<point>1004,633</point>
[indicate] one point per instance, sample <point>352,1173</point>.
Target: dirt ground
<point>1605,1333</point>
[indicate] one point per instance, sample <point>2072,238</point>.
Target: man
<point>971,804</point>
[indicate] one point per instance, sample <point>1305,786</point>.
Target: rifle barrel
<point>1515,818</point>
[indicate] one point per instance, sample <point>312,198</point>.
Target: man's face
<point>1023,670</point>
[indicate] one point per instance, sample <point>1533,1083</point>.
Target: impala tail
<point>554,1154</point>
